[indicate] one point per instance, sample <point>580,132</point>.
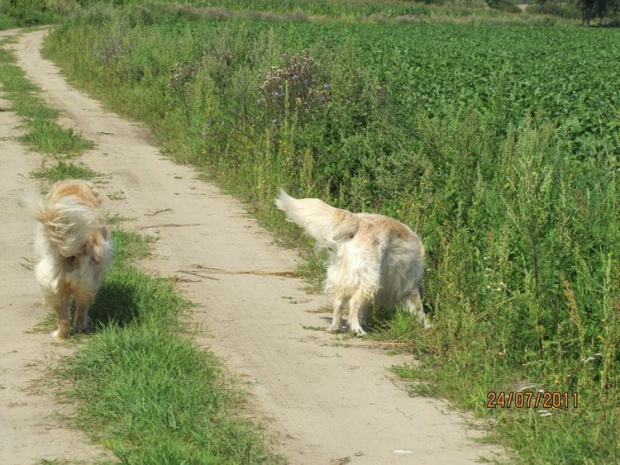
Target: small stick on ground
<point>170,225</point>
<point>157,212</point>
<point>286,274</point>
<point>193,273</point>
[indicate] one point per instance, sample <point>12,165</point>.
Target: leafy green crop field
<point>343,9</point>
<point>498,144</point>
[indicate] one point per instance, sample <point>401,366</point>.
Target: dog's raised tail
<point>67,223</point>
<point>327,224</point>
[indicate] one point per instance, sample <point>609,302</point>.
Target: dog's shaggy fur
<point>73,248</point>
<point>374,260</point>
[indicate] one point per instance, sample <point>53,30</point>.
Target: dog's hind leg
<point>62,307</point>
<point>359,306</point>
<point>339,304</point>
<point>414,305</point>
<point>83,300</point>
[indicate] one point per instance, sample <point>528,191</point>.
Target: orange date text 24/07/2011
<point>540,399</point>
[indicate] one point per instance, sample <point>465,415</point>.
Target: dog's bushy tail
<point>326,224</point>
<point>67,223</point>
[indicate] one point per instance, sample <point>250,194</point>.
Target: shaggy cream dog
<point>374,260</point>
<point>73,249</point>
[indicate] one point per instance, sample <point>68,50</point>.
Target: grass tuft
<point>63,170</point>
<point>31,106</point>
<point>50,138</point>
<point>13,79</point>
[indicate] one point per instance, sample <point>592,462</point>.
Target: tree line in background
<point>598,9</point>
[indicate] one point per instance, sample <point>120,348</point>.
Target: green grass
<point>143,389</point>
<point>31,106</point>
<point>8,39</point>
<point>348,11</point>
<point>44,134</point>
<point>63,170</point>
<point>118,219</point>
<point>48,137</point>
<point>13,78</point>
<point>6,56</point>
<point>25,13</point>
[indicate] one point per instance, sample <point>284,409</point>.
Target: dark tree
<point>591,9</point>
<point>587,11</point>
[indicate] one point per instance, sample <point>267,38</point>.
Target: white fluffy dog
<point>73,248</point>
<point>374,260</point>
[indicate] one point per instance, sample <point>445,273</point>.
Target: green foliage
<point>31,106</point>
<point>44,134</point>
<point>13,79</point>
<point>555,8</point>
<point>63,170</point>
<point>498,145</point>
<point>20,13</point>
<point>597,9</point>
<point>48,137</point>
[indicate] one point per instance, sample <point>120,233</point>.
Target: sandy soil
<point>321,402</point>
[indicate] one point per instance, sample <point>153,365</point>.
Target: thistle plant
<point>299,86</point>
<point>110,50</point>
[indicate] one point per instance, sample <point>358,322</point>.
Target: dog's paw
<point>85,324</point>
<point>333,328</point>
<point>358,330</point>
<point>56,336</point>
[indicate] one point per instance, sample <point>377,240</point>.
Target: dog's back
<point>69,223</point>
<point>384,257</point>
<point>398,250</point>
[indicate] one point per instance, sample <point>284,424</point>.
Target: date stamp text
<point>540,399</point>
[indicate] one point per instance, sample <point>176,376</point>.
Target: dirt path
<point>321,401</point>
<point>29,427</point>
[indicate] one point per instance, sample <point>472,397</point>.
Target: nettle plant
<point>298,87</point>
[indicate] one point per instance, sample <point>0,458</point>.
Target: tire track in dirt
<point>319,401</point>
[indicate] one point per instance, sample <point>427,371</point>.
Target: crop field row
<point>499,145</point>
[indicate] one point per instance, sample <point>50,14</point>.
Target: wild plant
<point>299,86</point>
